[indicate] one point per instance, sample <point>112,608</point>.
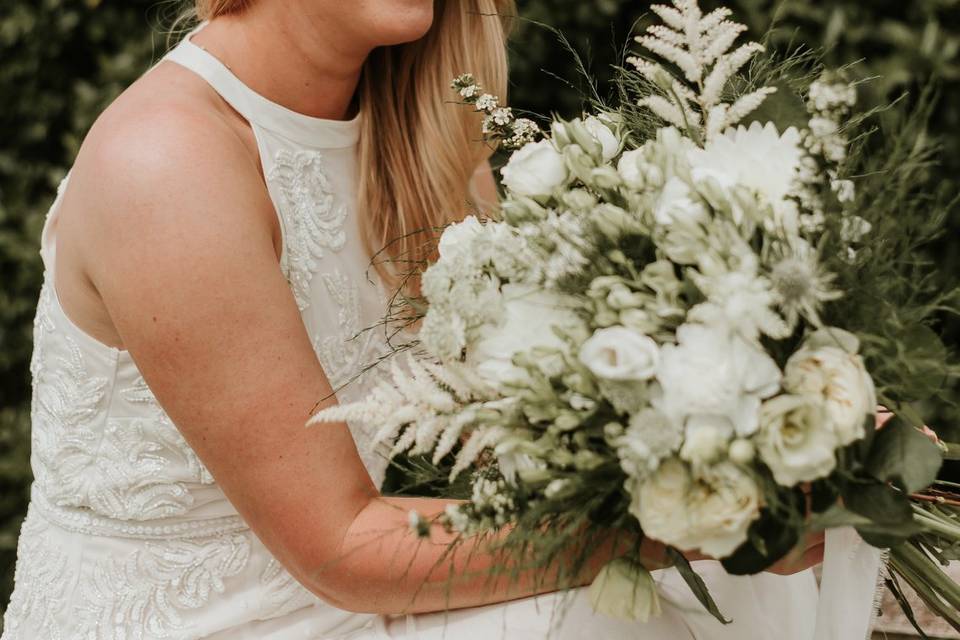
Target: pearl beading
<point>91,524</point>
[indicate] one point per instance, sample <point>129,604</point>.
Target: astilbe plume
<point>701,47</point>
<point>420,407</point>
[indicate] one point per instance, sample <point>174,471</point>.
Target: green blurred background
<point>63,61</point>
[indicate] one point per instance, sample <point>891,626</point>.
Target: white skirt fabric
<point>763,607</point>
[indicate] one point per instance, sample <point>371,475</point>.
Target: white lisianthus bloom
<point>716,373</point>
<point>618,353</point>
<point>536,169</point>
<point>624,589</point>
<point>608,141</point>
<point>678,203</point>
<point>706,440</point>
<point>530,316</point>
<point>758,157</point>
<point>835,375</point>
<point>796,440</point>
<point>456,238</point>
<point>631,168</point>
<point>712,512</point>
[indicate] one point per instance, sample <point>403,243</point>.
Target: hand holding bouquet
<point>673,329</point>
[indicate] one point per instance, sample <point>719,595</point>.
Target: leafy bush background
<point>63,61</point>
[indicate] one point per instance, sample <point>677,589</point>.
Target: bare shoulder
<point>168,166</point>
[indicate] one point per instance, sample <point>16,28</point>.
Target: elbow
<point>345,584</point>
<point>353,594</point>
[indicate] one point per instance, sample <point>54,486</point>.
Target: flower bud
<point>606,177</point>
<point>579,162</point>
<point>742,451</point>
<point>625,589</point>
<point>579,200</point>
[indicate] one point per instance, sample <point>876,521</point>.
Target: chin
<point>400,21</point>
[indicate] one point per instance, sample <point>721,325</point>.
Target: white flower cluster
<point>499,123</point>
<point>639,309</point>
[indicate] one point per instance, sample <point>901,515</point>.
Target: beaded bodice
<point>110,463</point>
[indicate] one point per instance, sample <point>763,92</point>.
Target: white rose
<point>536,169</point>
<point>715,373</point>
<point>602,133</point>
<point>712,512</point>
<point>618,353</point>
<point>624,589</point>
<point>456,238</point>
<point>529,318</point>
<point>836,377</point>
<point>677,203</point>
<point>796,440</point>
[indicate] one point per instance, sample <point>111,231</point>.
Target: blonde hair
<point>419,149</point>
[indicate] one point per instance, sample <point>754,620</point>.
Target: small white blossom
<point>487,102</point>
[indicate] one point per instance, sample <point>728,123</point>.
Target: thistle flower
<point>802,285</point>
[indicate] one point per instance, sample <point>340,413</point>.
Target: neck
<point>295,63</point>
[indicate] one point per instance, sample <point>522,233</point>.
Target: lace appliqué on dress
<point>167,433</point>
<point>41,585</point>
<point>340,353</point>
<point>312,218</point>
<point>144,595</point>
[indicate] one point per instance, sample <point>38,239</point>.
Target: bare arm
<point>178,243</point>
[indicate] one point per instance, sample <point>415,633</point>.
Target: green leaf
<point>904,456</point>
<point>784,107</point>
<point>880,503</point>
<point>777,537</point>
<point>888,510</point>
<point>837,516</point>
<point>923,349</point>
<point>696,584</point>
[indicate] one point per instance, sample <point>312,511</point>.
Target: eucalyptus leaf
<point>902,455</point>
<point>696,584</point>
<point>778,539</point>
<point>882,504</point>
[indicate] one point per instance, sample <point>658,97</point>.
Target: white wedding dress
<point>128,536</point>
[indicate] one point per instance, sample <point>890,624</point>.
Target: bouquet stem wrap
<point>848,586</point>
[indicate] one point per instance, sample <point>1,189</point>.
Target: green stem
<point>926,593</point>
<point>930,571</point>
<point>936,524</point>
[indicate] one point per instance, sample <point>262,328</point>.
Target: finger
<point>814,539</point>
<point>812,557</point>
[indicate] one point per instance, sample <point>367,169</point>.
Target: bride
<point>206,278</point>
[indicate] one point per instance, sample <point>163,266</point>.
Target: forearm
<point>383,567</point>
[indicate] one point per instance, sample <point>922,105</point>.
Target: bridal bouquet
<point>682,325</point>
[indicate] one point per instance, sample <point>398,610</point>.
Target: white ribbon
<point>849,587</point>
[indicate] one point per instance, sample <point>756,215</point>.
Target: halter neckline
<point>259,110</point>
